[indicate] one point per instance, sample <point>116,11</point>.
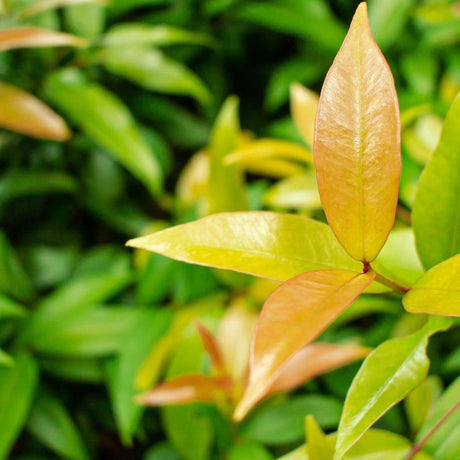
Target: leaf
<point>357,144</point>
<point>141,34</point>
<point>387,376</point>
<point>11,309</point>
<point>212,347</point>
<point>107,121</point>
<point>51,424</point>
<point>304,306</point>
<point>145,333</point>
<point>436,210</point>
<point>80,370</point>
<point>17,388</point>
<point>313,360</point>
<point>35,37</point>
<point>5,359</point>
<point>437,292</point>
<point>304,105</point>
<point>24,113</point>
<point>263,244</point>
<point>86,20</point>
<point>284,423</point>
<point>153,70</point>
<point>318,446</point>
<point>247,451</point>
<point>226,189</point>
<point>44,5</point>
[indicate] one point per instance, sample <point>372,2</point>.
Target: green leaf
<point>437,292</point>
<point>388,19</point>
<point>86,20</point>
<point>226,188</point>
<point>118,7</point>
<point>83,370</point>
<point>134,348</point>
<point>247,451</point>
<point>5,359</point>
<point>141,34</point>
<point>284,423</point>
<point>263,244</point>
<point>107,121</point>
<point>51,424</point>
<point>436,210</point>
<point>153,70</point>
<point>161,451</point>
<point>11,309</point>
<point>17,388</point>
<point>387,376</point>
<point>319,446</point>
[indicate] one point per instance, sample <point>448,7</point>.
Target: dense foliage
<point>125,118</point>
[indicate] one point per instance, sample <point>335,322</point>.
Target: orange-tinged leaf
<point>294,315</point>
<point>186,389</point>
<point>313,360</point>
<point>304,104</point>
<point>35,37</point>
<point>212,347</point>
<point>357,144</point>
<point>24,113</point>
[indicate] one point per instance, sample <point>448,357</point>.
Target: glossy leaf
<point>141,34</point>
<point>43,5</point>
<point>24,113</point>
<point>436,210</point>
<point>106,120</point>
<point>52,425</point>
<point>387,376</point>
<point>318,446</point>
<point>304,306</point>
<point>437,292</point>
<point>17,388</point>
<point>153,70</point>
<point>259,243</point>
<point>304,104</point>
<point>357,144</point>
<point>34,37</point>
<point>226,188</point>
<point>313,360</point>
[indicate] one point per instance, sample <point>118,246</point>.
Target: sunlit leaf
<point>105,119</point>
<point>319,446</point>
<point>357,144</point>
<point>141,34</point>
<point>313,360</point>
<point>272,167</point>
<point>42,5</point>
<point>151,69</point>
<point>5,359</point>
<point>387,376</point>
<point>17,388</point>
<point>436,208</point>
<point>249,450</point>
<point>437,292</point>
<point>304,104</point>
<point>304,306</point>
<point>34,37</point>
<point>259,243</point>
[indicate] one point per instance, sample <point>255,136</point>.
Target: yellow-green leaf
<point>438,291</point>
<point>24,113</point>
<point>42,5</point>
<point>294,315</point>
<point>357,144</point>
<point>304,104</point>
<point>319,446</point>
<point>265,244</point>
<point>35,37</point>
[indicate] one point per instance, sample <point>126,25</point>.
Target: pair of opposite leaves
<point>358,166</point>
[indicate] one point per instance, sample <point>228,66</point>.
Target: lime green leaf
<point>140,34</point>
<point>357,144</point>
<point>86,20</point>
<point>122,371</point>
<point>387,376</point>
<point>17,388</point>
<point>226,189</point>
<point>33,37</point>
<point>11,309</point>
<point>42,5</point>
<point>263,244</point>
<point>318,446</point>
<point>105,119</point>
<point>247,451</point>
<point>437,291</point>
<point>5,359</point>
<point>304,305</point>
<point>153,70</point>
<point>51,424</point>
<point>436,210</point>
<point>284,423</point>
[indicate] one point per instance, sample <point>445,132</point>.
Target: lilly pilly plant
<point>325,268</point>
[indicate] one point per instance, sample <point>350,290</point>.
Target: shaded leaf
<point>304,306</point>
<point>42,5</point>
<point>436,210</point>
<point>263,244</point>
<point>5,359</point>
<point>387,376</point>
<point>11,309</point>
<point>357,144</point>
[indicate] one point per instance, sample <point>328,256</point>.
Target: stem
<point>391,284</point>
<point>419,445</point>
